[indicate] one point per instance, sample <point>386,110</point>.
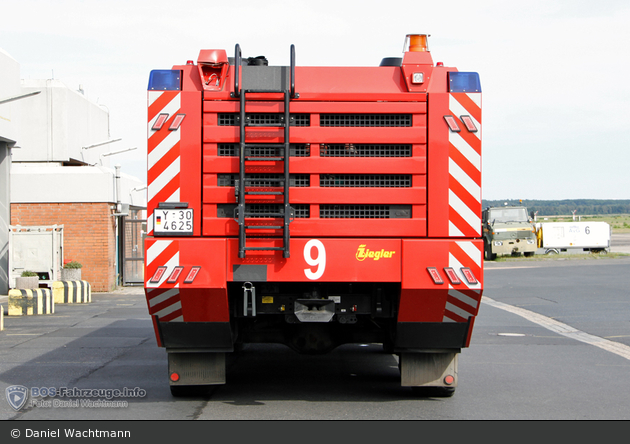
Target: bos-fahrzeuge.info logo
<point>63,397</point>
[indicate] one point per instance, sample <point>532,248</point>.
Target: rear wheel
<point>187,391</point>
<point>490,256</point>
<point>433,392</point>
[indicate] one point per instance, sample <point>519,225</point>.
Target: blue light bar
<point>464,82</point>
<point>165,80</point>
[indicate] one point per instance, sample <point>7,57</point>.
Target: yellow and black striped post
<point>31,301</point>
<point>72,292</point>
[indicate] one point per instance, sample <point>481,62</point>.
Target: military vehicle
<point>508,230</point>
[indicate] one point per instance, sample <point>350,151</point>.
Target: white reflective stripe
<point>464,180</point>
<point>170,309</point>
<point>150,224</point>
<point>458,110</point>
<point>467,151</point>
<point>156,249</point>
<point>153,96</point>
<point>173,197</point>
<point>453,230</point>
<point>457,266</point>
<point>466,213</point>
<point>163,147</point>
<point>170,264</point>
<point>463,298</point>
<point>171,109</point>
<point>472,251</point>
<point>458,311</point>
<point>163,297</point>
<point>475,97</point>
<point>163,179</point>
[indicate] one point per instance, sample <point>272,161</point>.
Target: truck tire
<point>528,253</point>
<point>490,256</point>
<point>187,391</point>
<point>433,392</point>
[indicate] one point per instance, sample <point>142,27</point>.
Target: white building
<point>61,172</point>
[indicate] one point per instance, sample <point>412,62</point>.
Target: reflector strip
<point>159,122</point>
<point>158,275</point>
<point>470,125</point>
<point>452,124</point>
<point>179,118</point>
<point>435,275</point>
<point>192,274</point>
<point>452,276</point>
<point>470,277</point>
<point>174,275</point>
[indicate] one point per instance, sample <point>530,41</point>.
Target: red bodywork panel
<point>429,188</point>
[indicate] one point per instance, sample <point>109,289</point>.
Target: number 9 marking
<point>319,261</point>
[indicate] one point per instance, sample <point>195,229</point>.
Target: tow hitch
<point>314,310</point>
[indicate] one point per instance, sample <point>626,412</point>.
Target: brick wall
<point>89,235</point>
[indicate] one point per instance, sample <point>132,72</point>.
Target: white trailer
<point>586,236</point>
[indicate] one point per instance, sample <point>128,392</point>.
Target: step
<point>263,227</point>
<point>264,248</point>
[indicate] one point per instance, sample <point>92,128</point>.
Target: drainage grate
<point>365,120</point>
<point>365,180</point>
<point>260,150</point>
<point>262,210</point>
<point>365,211</point>
<point>364,150</point>
<point>264,180</point>
<point>263,119</point>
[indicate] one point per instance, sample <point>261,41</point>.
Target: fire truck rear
<point>314,207</point>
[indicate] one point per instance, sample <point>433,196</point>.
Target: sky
<point>556,97</point>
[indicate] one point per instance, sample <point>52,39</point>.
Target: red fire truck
<point>314,207</point>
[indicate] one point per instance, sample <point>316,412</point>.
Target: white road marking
<point>563,329</point>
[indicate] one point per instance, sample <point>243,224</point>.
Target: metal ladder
<point>267,220</point>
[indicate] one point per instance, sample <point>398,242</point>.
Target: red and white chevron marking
<point>465,167</point>
<point>164,302</point>
<point>463,299</point>
<point>163,159</point>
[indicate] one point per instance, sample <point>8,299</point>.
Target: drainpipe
<point>117,215</point>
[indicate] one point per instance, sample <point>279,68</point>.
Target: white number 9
<point>319,261</point>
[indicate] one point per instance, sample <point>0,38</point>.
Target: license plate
<point>173,222</point>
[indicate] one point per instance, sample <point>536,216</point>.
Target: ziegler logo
<point>364,253</point>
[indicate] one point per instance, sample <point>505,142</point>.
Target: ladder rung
<point>266,125</point>
<point>263,248</point>
<point>264,214</point>
<point>265,193</point>
<point>265,179</point>
<point>264,91</point>
<point>264,158</point>
<point>264,145</point>
<point>263,227</point>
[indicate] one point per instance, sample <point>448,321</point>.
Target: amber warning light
<point>416,43</point>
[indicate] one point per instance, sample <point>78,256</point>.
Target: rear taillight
<point>177,121</point>
<point>192,274</point>
<point>159,122</point>
<point>452,124</point>
<point>158,275</point>
<point>470,124</point>
<point>435,275</point>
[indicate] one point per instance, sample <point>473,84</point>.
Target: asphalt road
<point>559,348</point>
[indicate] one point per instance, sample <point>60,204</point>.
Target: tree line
<point>566,207</point>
